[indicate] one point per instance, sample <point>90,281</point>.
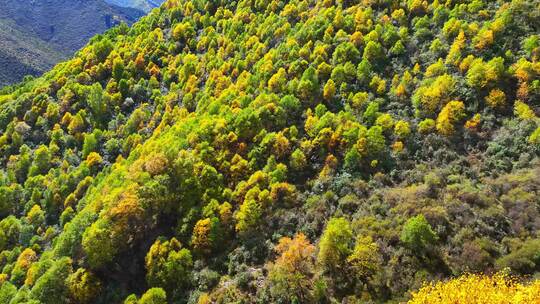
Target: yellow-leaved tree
<point>453,112</point>
<point>478,289</point>
<point>291,275</point>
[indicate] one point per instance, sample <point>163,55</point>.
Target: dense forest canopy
<point>279,152</point>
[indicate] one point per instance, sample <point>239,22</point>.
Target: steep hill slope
<point>23,54</point>
<point>276,152</point>
<point>37,34</point>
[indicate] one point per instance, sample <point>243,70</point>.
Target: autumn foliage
<point>475,289</point>
<point>279,152</point>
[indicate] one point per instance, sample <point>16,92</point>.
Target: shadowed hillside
<point>23,54</point>
<point>37,34</point>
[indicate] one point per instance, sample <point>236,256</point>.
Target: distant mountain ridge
<point>37,34</point>
<point>144,5</point>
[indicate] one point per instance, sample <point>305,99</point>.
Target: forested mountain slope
<point>279,152</point>
<point>35,35</point>
<point>23,54</point>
